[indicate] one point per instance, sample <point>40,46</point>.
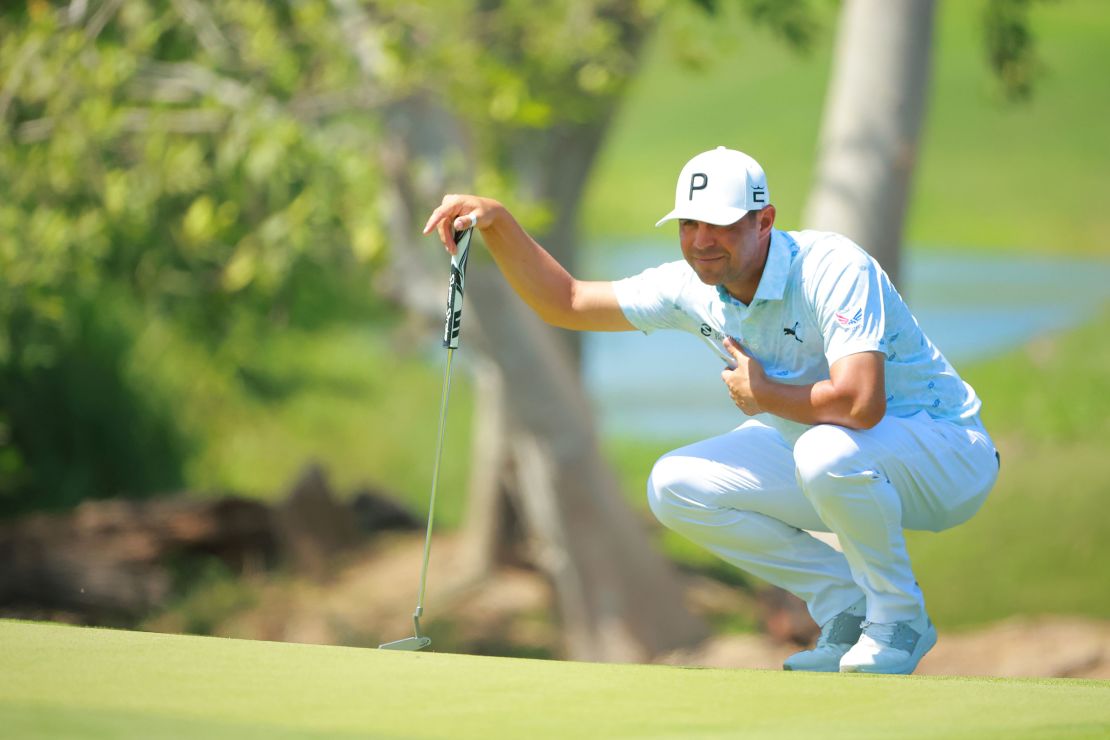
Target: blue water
<point>668,385</point>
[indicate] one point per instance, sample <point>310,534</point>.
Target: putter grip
<point>453,320</point>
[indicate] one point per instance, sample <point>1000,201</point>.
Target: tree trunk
<point>493,530</point>
<point>553,166</point>
<point>868,144</point>
<point>537,468</point>
<point>619,599</point>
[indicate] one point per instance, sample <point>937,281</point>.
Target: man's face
<point>724,255</point>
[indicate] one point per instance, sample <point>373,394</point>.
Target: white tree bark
<point>868,143</point>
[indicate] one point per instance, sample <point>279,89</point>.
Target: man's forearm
<point>533,273</point>
<point>854,395</point>
<point>816,403</point>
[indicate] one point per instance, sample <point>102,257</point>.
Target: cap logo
<point>759,195</point>
<point>696,184</point>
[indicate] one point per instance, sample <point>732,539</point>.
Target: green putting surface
<point>61,681</point>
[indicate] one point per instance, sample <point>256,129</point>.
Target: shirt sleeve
<point>845,291</point>
<point>651,300</point>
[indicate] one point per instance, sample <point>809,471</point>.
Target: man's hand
<point>852,397</point>
<point>537,277</point>
<point>458,213</point>
<point>740,379</point>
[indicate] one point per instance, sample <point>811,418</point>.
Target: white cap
<point>719,187</point>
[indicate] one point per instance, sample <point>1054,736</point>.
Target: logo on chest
<point>708,331</point>
<point>792,331</point>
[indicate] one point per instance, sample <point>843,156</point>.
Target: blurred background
<point>220,369</point>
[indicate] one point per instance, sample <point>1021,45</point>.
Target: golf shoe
<point>838,635</point>
<point>890,647</point>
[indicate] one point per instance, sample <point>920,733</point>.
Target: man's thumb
<point>733,347</point>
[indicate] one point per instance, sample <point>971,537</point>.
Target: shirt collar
<point>772,284</point>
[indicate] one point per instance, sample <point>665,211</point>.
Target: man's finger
<point>469,221</point>
<point>445,235</point>
<point>433,220</point>
<point>734,348</point>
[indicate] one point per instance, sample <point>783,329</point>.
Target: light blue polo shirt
<point>821,298</point>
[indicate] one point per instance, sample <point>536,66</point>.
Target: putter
<point>451,327</point>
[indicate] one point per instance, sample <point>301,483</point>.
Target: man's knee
<point>672,489</point>
<point>662,488</point>
<point>825,456</point>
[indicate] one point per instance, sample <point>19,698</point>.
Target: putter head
<point>409,643</point>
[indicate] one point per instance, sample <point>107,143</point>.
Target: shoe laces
<point>897,635</point>
<point>839,630</point>
<point>879,631</point>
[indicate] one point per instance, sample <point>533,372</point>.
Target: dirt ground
<point>371,599</point>
<point>1065,647</point>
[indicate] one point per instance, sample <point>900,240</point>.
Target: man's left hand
<point>741,378</point>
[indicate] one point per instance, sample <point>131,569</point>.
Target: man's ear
<point>766,218</point>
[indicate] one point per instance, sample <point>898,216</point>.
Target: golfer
<point>856,423</point>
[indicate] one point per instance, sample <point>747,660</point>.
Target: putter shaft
<point>435,485</point>
<point>451,329</point>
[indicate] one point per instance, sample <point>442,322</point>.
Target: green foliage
<point>215,172</point>
<point>536,64</point>
<point>180,169</point>
<point>794,20</point>
<point>206,166</point>
<point>361,402</point>
<point>77,426</point>
<point>1010,46</point>
<point>209,594</point>
<point>181,181</point>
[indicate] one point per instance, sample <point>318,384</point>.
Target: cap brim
<point>715,216</point>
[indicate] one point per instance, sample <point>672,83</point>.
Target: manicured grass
<point>989,174</point>
<point>61,681</point>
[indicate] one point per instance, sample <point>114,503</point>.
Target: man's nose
<point>703,235</point>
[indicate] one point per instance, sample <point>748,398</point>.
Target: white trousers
<point>748,495</point>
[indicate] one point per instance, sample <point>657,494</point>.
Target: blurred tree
<point>532,89</point>
<point>206,164</point>
<point>182,160</point>
<point>224,164</point>
<point>537,107</point>
<point>874,109</point>
<point>873,112</point>
<point>1010,46</point>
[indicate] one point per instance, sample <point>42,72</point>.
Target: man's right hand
<point>459,213</point>
<point>535,275</point>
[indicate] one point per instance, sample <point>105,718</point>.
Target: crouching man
<point>857,424</point>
